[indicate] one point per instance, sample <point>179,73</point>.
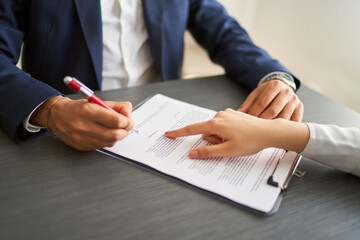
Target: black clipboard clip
<point>293,172</point>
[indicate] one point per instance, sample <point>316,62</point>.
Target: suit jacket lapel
<point>153,14</point>
<point>166,22</point>
<point>89,12</point>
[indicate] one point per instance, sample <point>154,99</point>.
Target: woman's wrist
<point>289,135</point>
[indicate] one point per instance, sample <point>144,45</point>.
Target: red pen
<point>87,93</point>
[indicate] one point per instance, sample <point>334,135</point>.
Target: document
<point>242,180</point>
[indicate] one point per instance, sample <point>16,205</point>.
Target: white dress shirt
<point>334,146</point>
<point>127,59</point>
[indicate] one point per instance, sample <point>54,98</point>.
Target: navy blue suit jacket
<point>64,37</point>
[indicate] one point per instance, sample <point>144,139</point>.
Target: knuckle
<point>289,91</point>
<point>85,109</point>
<point>294,97</point>
<point>220,114</point>
<point>213,123</point>
<point>116,136</point>
<point>262,104</point>
<point>128,104</point>
<point>275,83</point>
<point>117,122</point>
<point>272,112</point>
<point>186,130</point>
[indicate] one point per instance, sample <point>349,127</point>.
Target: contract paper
<point>240,179</point>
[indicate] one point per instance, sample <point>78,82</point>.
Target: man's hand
<point>84,125</point>
<point>273,99</point>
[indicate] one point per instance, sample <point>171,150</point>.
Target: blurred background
<point>318,40</point>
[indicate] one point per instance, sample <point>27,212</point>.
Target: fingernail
<point>168,133</point>
<point>193,154</point>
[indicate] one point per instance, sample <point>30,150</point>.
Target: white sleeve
<point>334,146</point>
<point>32,127</point>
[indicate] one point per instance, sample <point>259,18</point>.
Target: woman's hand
<point>238,134</point>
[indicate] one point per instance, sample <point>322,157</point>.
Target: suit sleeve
<point>20,93</point>
<point>229,45</point>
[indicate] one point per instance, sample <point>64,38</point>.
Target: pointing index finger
<point>193,129</point>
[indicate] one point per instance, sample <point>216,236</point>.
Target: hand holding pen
<point>88,94</point>
<point>84,125</point>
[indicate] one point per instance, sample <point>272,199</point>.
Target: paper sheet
<point>240,179</point>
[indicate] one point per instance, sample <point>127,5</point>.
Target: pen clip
<point>78,87</point>
<point>85,88</point>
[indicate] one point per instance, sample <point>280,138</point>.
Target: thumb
<point>124,108</point>
<point>218,150</point>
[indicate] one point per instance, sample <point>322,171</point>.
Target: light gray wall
<point>318,40</point>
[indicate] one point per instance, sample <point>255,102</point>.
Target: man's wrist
<point>286,78</point>
<point>39,115</point>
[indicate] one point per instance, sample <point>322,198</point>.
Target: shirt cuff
<point>33,128</point>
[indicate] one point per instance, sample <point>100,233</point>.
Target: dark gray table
<point>51,191</point>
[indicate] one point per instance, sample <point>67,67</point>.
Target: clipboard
<point>271,181</point>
